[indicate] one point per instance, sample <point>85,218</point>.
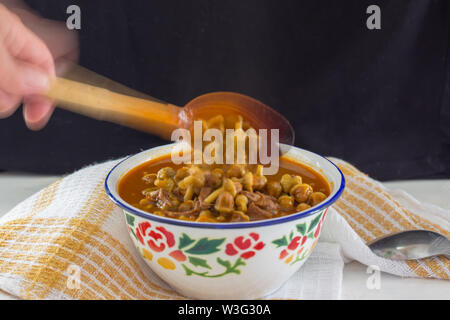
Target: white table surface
<point>17,187</point>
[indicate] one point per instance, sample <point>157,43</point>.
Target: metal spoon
<point>412,244</point>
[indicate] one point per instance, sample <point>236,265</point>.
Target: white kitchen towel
<point>320,278</point>
<point>72,226</point>
<point>367,210</point>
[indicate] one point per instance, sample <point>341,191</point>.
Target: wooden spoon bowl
<point>256,113</point>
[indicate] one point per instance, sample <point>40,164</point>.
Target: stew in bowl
<point>222,193</point>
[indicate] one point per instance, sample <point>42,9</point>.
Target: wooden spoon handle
<point>150,116</point>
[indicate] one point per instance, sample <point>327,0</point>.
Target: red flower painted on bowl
<point>295,244</point>
<point>245,246</point>
<point>158,239</point>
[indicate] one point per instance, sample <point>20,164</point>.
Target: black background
<point>169,309</point>
<point>379,99</point>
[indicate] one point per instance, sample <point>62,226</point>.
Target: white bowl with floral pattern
<point>245,260</point>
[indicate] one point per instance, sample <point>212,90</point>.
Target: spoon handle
<point>150,116</point>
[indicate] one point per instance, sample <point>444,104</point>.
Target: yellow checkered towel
<point>71,229</point>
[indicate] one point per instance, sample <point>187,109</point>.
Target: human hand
<point>35,48</point>
<point>26,67</point>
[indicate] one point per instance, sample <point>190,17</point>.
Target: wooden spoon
<point>162,118</point>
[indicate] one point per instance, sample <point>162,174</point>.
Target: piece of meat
<point>251,196</point>
<point>261,206</point>
<point>263,201</point>
<point>161,198</point>
<point>256,213</point>
<point>181,213</point>
<point>211,179</point>
<point>203,205</point>
<point>266,196</point>
<point>179,193</point>
<point>195,210</point>
<point>204,193</point>
<point>267,204</point>
<point>153,195</point>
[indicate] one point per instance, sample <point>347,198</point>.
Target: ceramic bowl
<point>226,261</point>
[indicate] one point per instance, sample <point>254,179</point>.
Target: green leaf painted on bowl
<point>229,268</point>
<point>301,228</point>
<point>299,258</point>
<point>206,246</point>
<point>185,241</point>
<point>133,233</point>
<point>130,220</point>
<point>314,222</point>
<point>199,262</point>
<point>281,242</point>
<point>188,271</point>
<point>225,263</point>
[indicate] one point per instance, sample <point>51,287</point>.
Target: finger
<point>8,104</point>
<point>25,61</point>
<point>37,111</point>
<point>24,45</point>
<point>21,78</point>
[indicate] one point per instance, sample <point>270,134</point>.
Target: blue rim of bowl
<point>232,225</point>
